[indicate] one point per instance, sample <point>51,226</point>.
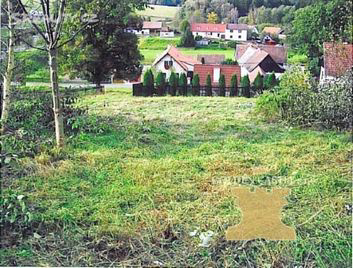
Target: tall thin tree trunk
<point>58,113</point>
<point>9,70</point>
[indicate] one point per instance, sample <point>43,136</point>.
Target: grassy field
<point>148,171</point>
<point>151,54</point>
<point>156,11</point>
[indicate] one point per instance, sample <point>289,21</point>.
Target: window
<point>142,32</point>
<point>239,31</point>
<point>168,64</point>
<point>217,35</point>
<point>239,36</point>
<point>216,74</point>
<point>223,36</point>
<point>231,31</point>
<point>231,37</point>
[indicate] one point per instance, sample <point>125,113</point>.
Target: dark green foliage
<point>148,82</point>
<point>259,83</point>
<point>196,85</point>
<point>184,25</point>
<point>222,85</point>
<point>232,44</point>
<point>173,83</point>
<point>182,85</point>
<point>234,86</point>
<point>245,84</point>
<point>208,86</point>
<point>187,39</point>
<point>298,102</point>
<point>198,38</point>
<point>270,81</point>
<point>230,62</point>
<point>160,84</point>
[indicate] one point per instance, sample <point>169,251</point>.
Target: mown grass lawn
<point>159,11</point>
<point>151,54</point>
<point>163,167</point>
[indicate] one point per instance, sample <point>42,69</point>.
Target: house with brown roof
<point>173,60</point>
<point>148,28</point>
<point>338,59</point>
<point>236,32</point>
<point>254,59</point>
<point>211,58</point>
<point>275,31</point>
<point>278,53</point>
<point>215,71</point>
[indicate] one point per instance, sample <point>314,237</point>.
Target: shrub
<point>173,83</point>
<point>196,85</point>
<point>208,86</point>
<point>298,102</point>
<point>198,38</point>
<point>232,44</point>
<point>182,85</point>
<point>148,82</point>
<point>234,86</point>
<point>259,83</point>
<point>270,81</point>
<point>222,85</point>
<point>245,84</point>
<point>230,62</point>
<point>160,84</point>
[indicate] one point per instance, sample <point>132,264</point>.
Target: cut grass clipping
<point>142,190</point>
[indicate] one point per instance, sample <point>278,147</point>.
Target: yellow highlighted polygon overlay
<point>261,215</point>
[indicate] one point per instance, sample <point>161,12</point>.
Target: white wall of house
<point>227,35</point>
<point>166,34</point>
<point>236,35</point>
<point>139,32</point>
<point>176,67</point>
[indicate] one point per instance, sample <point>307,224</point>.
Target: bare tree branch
<point>28,44</point>
<point>59,22</point>
<point>74,35</point>
<point>32,22</point>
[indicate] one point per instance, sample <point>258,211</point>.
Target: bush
<point>298,102</point>
<point>196,85</point>
<point>148,82</point>
<point>232,44</point>
<point>182,85</point>
<point>230,62</point>
<point>198,38</point>
<point>245,84</point>
<point>259,83</point>
<point>234,86</point>
<point>222,85</point>
<point>173,82</point>
<point>187,39</point>
<point>160,84</point>
<point>208,86</point>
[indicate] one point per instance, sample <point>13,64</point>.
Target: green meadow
<point>143,173</point>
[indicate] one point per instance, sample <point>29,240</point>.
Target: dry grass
<point>130,196</point>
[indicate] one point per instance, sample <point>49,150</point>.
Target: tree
<point>234,86</point>
<point>270,81</point>
<point>196,85</point>
<point>259,83</point>
<point>7,76</point>
<point>245,84</point>
<point>319,23</point>
<point>212,18</point>
<point>187,39</point>
<point>184,25</point>
<point>222,85</point>
<point>182,85</point>
<point>160,84</point>
<point>208,86</point>
<point>148,82</point>
<point>173,83</point>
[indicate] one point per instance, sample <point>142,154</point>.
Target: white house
<point>208,30</point>
<point>148,28</point>
<point>237,32</point>
<point>173,60</point>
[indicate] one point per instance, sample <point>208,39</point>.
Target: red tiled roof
<point>203,70</point>
<point>152,25</point>
<point>277,53</point>
<point>178,57</point>
<point>338,58</point>
<point>237,26</point>
<point>208,27</point>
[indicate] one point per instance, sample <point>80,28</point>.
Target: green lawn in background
<point>145,172</point>
<point>159,11</point>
